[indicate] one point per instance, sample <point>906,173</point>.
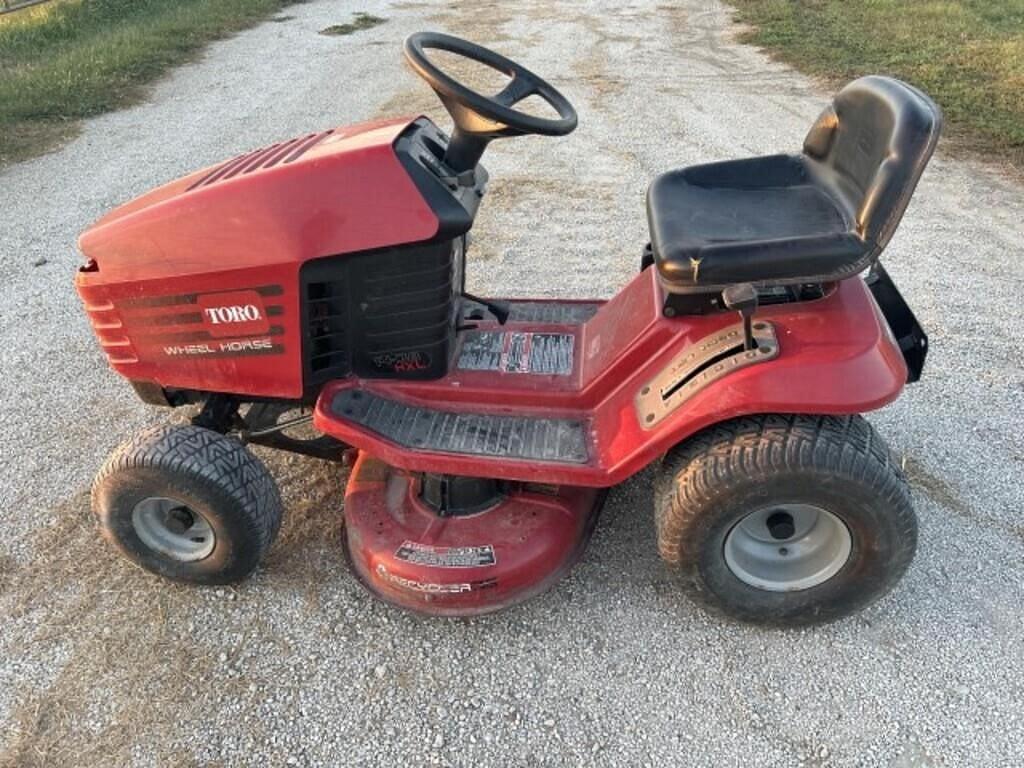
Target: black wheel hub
<point>780,525</point>
<point>179,520</point>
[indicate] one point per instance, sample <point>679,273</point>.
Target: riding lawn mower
<point>324,276</point>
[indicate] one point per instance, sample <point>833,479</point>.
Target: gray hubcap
<point>787,547</point>
<point>172,528</point>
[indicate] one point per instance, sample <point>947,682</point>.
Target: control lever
<point>500,309</point>
<point>743,299</point>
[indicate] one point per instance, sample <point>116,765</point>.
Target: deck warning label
<point>518,352</point>
<point>446,557</point>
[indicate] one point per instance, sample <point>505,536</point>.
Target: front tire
<point>785,520</point>
<point>188,504</point>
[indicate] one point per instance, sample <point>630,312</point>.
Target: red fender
<point>836,356</point>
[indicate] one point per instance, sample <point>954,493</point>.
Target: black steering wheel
<point>479,119</point>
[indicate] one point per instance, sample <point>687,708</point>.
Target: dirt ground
<point>103,665</point>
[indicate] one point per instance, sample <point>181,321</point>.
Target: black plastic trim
<point>150,393</point>
<point>711,302</point>
<point>455,495</point>
<point>385,313</point>
<point>420,149</point>
<point>910,337</point>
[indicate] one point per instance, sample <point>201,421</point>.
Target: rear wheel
<point>785,519</point>
<point>188,504</point>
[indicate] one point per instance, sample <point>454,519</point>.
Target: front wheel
<point>785,520</point>
<point>188,504</point>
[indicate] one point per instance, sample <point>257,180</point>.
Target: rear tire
<point>785,520</point>
<point>188,504</point>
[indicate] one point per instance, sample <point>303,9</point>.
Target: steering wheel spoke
<point>518,88</point>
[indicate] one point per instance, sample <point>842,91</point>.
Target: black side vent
<point>381,314</point>
<point>407,309</point>
<point>327,321</point>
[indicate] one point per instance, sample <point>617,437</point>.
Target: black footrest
<point>479,434</point>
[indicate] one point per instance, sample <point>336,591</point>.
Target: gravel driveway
<point>102,665</point>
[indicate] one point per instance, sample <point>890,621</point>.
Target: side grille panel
<point>381,314</point>
<point>327,313</point>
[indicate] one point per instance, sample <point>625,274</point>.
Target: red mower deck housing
<point>466,564</point>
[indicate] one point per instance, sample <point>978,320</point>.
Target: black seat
<point>822,215</point>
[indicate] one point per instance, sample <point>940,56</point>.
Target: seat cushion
<point>762,220</point>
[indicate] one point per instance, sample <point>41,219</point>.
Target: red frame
<point>837,356</point>
<point>232,238</point>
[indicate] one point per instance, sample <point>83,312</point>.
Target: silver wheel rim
<point>787,547</point>
<point>173,529</point>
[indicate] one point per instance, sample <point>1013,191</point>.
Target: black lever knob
<point>500,309</point>
<point>742,298</point>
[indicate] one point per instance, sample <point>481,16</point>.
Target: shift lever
<point>743,298</point>
<point>500,309</point>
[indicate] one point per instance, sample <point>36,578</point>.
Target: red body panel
<point>196,286</point>
<point>158,263</point>
<point>836,356</point>
<point>463,565</point>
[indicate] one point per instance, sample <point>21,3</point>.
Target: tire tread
<point>703,472</point>
<point>210,457</point>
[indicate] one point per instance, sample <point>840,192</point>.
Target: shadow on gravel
<point>122,664</point>
<point>944,494</point>
<point>131,655</point>
<point>7,568</point>
<point>940,491</point>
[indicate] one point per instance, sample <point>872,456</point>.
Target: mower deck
<point>461,564</point>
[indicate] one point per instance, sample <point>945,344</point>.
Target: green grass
<point>71,59</point>
<point>967,54</point>
<point>360,21</point>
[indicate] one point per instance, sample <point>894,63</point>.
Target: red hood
<point>327,193</point>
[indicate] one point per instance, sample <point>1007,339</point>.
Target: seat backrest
<point>870,147</point>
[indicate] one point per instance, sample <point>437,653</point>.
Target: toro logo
<point>238,313</point>
<point>235,314</point>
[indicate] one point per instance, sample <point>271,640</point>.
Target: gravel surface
<point>101,664</point>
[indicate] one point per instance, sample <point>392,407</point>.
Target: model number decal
<point>401,362</point>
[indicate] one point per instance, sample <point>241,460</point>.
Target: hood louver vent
<point>326,321</point>
<point>266,157</point>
